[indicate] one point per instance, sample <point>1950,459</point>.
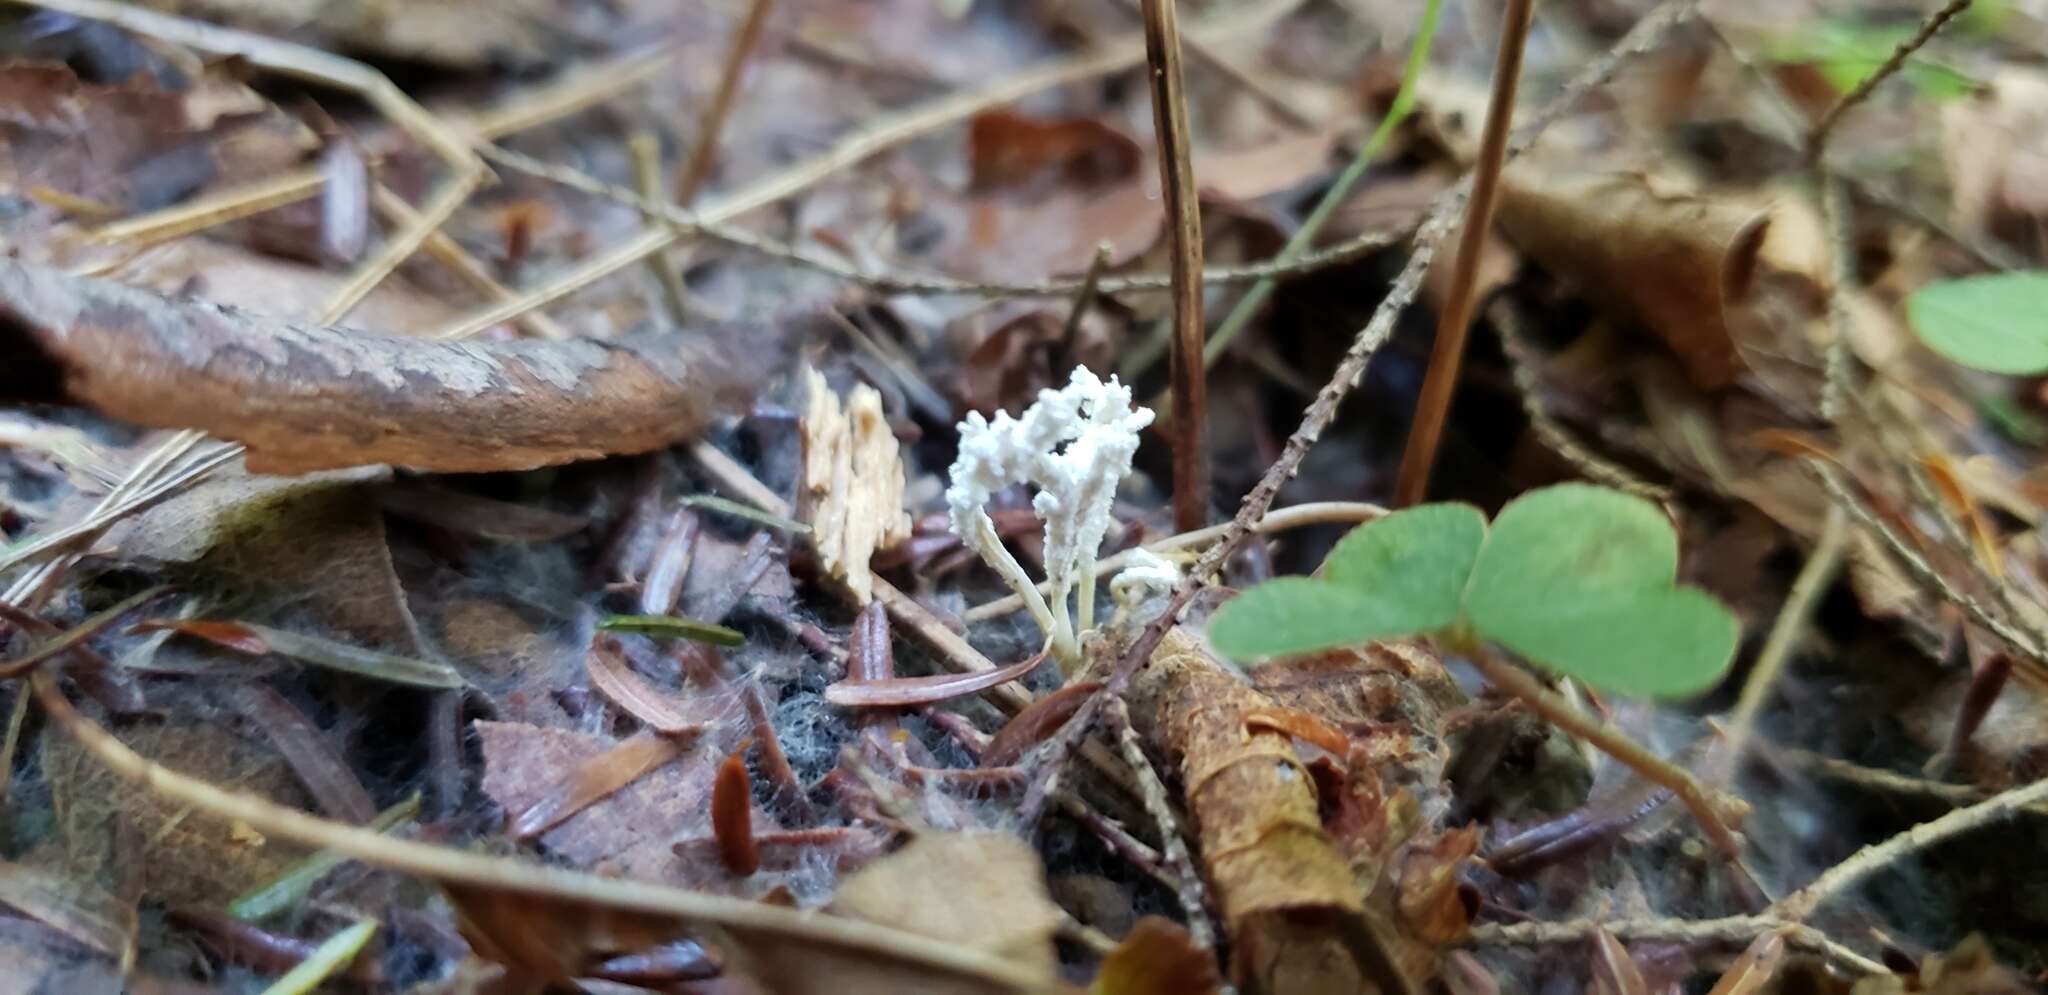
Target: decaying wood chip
<point>305,397</point>
<point>852,493</point>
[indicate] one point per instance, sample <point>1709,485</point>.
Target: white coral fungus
<point>1074,445</point>
<point>1144,573</point>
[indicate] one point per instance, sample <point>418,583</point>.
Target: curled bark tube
<point>306,397</point>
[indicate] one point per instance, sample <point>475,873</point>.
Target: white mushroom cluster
<point>1074,445</point>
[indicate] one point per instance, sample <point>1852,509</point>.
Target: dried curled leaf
<point>1157,958</point>
<point>305,397</point>
<point>1674,260</point>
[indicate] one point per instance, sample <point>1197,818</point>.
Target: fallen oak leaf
<point>262,640</point>
<point>306,397</point>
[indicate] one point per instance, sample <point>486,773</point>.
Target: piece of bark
<point>852,492</point>
<point>1280,884</point>
<point>305,397</point>
<point>1348,893</point>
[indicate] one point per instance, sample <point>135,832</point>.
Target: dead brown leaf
<point>1006,149</point>
<point>1157,958</point>
<point>308,398</point>
<point>523,764</point>
<point>129,145</point>
<point>1288,898</point>
<point>1996,147</point>
<point>1671,258</point>
<point>189,860</point>
<point>982,891</point>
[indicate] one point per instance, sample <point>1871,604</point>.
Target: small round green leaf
<point>1289,615</point>
<point>1997,322</point>
<point>1414,562</point>
<point>1661,642</point>
<point>1580,579</point>
<point>1570,539</point>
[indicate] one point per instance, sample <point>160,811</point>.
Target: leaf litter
<point>605,648</point>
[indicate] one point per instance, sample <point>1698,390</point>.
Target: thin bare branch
<point>1877,857</point>
<point>1816,142</point>
<point>1731,931</point>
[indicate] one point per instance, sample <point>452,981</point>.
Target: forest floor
<point>674,629</point>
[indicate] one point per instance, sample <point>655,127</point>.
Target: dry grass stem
<point>849,150</point>
<point>493,874</point>
<point>705,154</point>
<point>1728,931</point>
<point>1815,577</point>
<point>1356,247</point>
<point>1433,407</point>
<point>1184,224</point>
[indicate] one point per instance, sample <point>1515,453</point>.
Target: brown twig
<point>1874,858</point>
<point>1816,142</point>
<point>1184,213</point>
<point>307,397</point>
<point>1453,324</point>
<point>1280,267</point>
<point>1730,930</point>
<point>1711,808</point>
<point>1187,880</point>
<point>705,154</point>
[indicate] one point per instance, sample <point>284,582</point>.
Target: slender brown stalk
<point>698,169</point>
<point>1456,320</point>
<point>1177,175</point>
